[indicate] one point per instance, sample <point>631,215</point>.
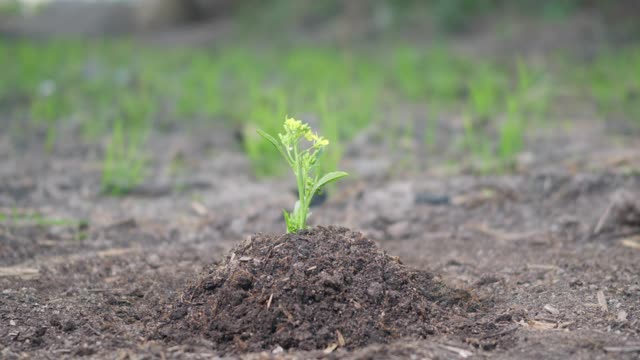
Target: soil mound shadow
<point>327,286</point>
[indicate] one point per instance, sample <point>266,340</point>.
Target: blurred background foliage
<point>344,66</point>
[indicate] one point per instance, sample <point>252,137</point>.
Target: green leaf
<point>275,143</point>
<point>327,178</point>
<point>287,220</point>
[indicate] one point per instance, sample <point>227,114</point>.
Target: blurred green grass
<point>120,90</point>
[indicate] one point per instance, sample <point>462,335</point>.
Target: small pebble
<point>622,316</point>
<point>551,309</point>
<point>399,230</point>
<point>375,290</point>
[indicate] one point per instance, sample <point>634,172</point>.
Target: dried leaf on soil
<point>329,349</point>
<point>461,352</point>
<point>20,272</point>
<point>539,325</point>
<point>602,301</point>
<point>341,341</point>
<point>622,349</point>
<point>633,242</point>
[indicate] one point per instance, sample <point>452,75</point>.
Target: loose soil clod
<point>312,290</point>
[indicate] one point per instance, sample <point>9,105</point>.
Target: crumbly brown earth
<point>318,288</point>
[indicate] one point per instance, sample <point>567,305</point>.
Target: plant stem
<point>301,191</point>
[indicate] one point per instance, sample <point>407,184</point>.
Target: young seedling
<point>124,165</point>
<point>304,163</point>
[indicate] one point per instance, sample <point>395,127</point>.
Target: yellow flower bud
<point>292,125</point>
<point>308,135</point>
<point>319,141</point>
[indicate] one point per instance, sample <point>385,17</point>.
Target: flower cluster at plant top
<point>294,129</point>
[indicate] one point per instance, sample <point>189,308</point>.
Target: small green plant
<point>124,165</point>
<point>511,133</point>
<point>304,163</point>
<point>484,93</point>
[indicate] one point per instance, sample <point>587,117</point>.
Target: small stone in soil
<point>551,309</point>
<point>399,230</point>
<point>69,326</point>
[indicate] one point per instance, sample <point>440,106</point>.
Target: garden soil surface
<point>542,263</point>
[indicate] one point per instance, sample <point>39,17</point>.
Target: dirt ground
<point>551,251</point>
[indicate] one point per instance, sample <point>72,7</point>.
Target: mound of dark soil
<point>311,290</point>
